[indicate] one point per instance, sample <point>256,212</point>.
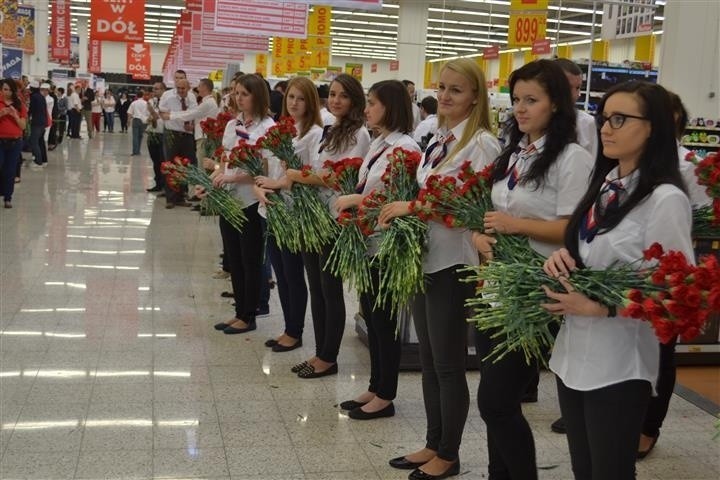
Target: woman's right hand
<point>560,263</point>
<point>484,244</point>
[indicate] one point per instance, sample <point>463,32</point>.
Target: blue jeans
<point>9,158</point>
<point>109,120</point>
<point>138,129</point>
<point>37,144</point>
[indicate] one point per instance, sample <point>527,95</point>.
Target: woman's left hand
<point>267,183</point>
<point>262,193</point>
<point>499,222</point>
<point>392,210</point>
<point>572,302</point>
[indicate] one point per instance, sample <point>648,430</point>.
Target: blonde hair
<point>312,103</point>
<point>479,118</point>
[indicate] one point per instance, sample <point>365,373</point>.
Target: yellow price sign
<point>529,4</point>
<point>524,29</point>
<point>278,69</point>
<point>320,58</point>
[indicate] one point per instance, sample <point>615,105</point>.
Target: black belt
<point>177,132</point>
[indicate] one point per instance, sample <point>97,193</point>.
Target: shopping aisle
<point>111,367</point>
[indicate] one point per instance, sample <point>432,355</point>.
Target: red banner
<point>541,47</point>
<point>95,56</point>
<point>490,53</point>
<point>60,31</point>
<point>138,60</point>
<point>117,20</point>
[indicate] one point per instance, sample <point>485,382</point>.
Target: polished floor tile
<point>110,367</point>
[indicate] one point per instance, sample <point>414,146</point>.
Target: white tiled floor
<point>110,367</point>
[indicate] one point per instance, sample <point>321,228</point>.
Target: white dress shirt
<point>318,159</point>
<point>138,109</point>
<point>170,102</point>
<point>696,192</point>
<point>108,104</point>
<point>429,125</point>
<point>564,185</point>
<point>448,247</point>
<point>74,101</point>
<point>587,132</point>
<point>595,352</point>
<point>208,108</point>
<point>327,117</point>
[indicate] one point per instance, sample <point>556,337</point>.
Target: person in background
<point>587,134</point>
<point>389,115</point>
<point>54,114</point>
<point>327,117</point>
<point>276,98</point>
<point>108,108</point>
<point>50,103</point>
<point>123,105</point>
<point>410,85</point>
<point>87,95</point>
<point>138,115</point>
<point>63,108</point>
<point>38,113</point>
<point>97,112</point>
<point>439,315</point>
<point>429,124</point>
<point>13,118</point>
<point>607,365</point>
<point>154,132</point>
<point>346,138</point>
<point>74,109</point>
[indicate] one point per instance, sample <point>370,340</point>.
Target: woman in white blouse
<point>389,114</point>
<point>108,107</point>
<point>244,249</point>
<point>347,137</point>
<point>538,181</point>
<point>607,364</point>
<point>301,101</point>
<point>440,315</point>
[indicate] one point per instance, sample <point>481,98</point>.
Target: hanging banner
<point>260,17</point>
<point>357,4</point>
<point>138,60</point>
<point>8,22</point>
<point>490,53</point>
<point>117,20</point>
<point>541,47</point>
<point>227,42</point>
<point>74,52</point>
<point>355,70</point>
<point>26,28</point>
<point>95,56</point>
<point>319,35</point>
<point>60,31</point>
<point>394,65</point>
<point>631,19</point>
<point>261,64</point>
<point>12,63</point>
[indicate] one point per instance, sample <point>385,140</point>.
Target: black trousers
<point>327,304</point>
<point>658,406</point>
<point>292,289</point>
<point>511,447</point>
<point>61,123</point>
<point>383,342</point>
<point>603,428</point>
<point>440,323</point>
<point>74,118</point>
<point>37,144</point>
<point>157,155</point>
<point>178,144</point>
<point>244,254</point>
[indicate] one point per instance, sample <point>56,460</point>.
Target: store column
<point>84,36</point>
<point>412,40</point>
<point>38,65</point>
<point>690,57</point>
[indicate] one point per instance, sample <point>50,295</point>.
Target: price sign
<point>524,29</point>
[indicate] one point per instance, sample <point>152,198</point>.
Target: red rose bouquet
<point>706,220</point>
<point>348,258</point>
<point>214,128</point>
<point>675,296</point>
<point>316,227</point>
<point>179,172</point>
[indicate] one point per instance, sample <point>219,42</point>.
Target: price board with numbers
<point>525,28</point>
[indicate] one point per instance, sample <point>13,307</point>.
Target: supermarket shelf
<point>704,129</point>
<point>707,145</point>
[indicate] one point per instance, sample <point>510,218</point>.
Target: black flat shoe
<point>300,366</point>
<point>271,343</point>
<point>283,348</point>
<point>228,295</point>
<point>360,414</point>
<point>403,463</point>
<point>418,474</point>
<point>221,326</point>
<point>309,372</point>
<point>234,331</point>
<point>558,426</point>
<point>352,405</point>
<point>644,453</point>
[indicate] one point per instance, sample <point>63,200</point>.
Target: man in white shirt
<point>208,108</point>
<point>74,108</point>
<point>410,85</point>
<point>154,132</point>
<point>587,132</point>
<point>429,124</point>
<point>50,102</point>
<point>179,138</point>
<point>139,114</point>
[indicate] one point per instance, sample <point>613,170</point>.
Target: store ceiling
<point>455,27</point>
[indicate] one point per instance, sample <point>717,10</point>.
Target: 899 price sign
<point>525,28</point>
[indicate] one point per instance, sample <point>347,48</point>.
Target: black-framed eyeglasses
<point>617,120</point>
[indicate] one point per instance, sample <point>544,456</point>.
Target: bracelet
<point>612,311</point>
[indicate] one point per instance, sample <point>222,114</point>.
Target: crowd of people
<point>558,173</point>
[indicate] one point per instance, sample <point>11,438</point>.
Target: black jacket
<point>38,109</point>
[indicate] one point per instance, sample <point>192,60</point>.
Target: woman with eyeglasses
<point>539,179</point>
<point>606,364</point>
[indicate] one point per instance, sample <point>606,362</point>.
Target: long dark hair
<point>342,135</point>
<point>14,89</point>
<point>255,85</point>
<point>398,110</point>
<point>658,162</point>
<point>560,130</point>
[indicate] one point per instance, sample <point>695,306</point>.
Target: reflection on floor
<point>704,380</point>
<point>111,368</point>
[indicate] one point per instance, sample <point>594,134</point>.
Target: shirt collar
<point>393,137</point>
<point>629,182</point>
<point>457,131</point>
<point>539,144</point>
